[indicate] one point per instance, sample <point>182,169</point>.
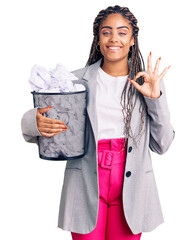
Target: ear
<point>132,41</point>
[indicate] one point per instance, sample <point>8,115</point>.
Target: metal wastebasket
<point>68,107</point>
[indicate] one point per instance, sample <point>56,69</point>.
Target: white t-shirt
<point>109,109</point>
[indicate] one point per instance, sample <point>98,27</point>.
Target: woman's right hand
<point>48,127</point>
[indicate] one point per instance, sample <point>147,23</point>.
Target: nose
<point>114,38</point>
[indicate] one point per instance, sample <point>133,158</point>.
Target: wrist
<point>155,96</point>
<point>158,95</point>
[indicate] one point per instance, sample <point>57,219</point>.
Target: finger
<point>135,84</point>
<point>43,119</point>
<point>49,129</point>
<point>150,63</point>
<point>164,72</point>
<point>139,74</point>
<point>48,134</point>
<point>54,126</point>
<point>44,134</point>
<point>50,120</point>
<point>43,110</point>
<point>156,69</point>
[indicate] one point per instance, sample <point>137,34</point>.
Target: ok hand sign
<point>151,86</point>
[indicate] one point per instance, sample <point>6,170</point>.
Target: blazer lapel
<point>91,76</point>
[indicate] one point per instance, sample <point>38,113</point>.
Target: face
<point>115,37</point>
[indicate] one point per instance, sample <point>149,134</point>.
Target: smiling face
<point>115,37</point>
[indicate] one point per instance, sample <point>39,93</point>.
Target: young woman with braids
<point>111,192</point>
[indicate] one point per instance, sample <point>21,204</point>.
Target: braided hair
<point>136,64</point>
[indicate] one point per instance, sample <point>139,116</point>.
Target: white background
<point>48,32</point>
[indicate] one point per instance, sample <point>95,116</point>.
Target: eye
<point>122,33</point>
<point>106,33</point>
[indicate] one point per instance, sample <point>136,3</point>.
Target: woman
<point>111,192</point>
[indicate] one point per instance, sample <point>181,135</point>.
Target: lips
<point>114,47</point>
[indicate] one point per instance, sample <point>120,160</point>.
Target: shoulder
<point>79,73</point>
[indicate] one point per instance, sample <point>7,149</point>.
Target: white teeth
<point>114,48</point>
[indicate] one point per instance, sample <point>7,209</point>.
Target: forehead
<point>115,20</point>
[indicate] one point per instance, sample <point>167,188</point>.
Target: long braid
<point>136,64</point>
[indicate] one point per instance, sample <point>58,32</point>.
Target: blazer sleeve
<point>161,130</point>
<point>29,126</point>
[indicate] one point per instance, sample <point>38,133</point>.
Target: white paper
<point>54,80</point>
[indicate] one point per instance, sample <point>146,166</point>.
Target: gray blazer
<point>80,192</point>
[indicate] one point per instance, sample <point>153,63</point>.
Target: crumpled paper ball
<point>54,80</point>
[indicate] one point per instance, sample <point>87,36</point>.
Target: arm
<point>34,124</point>
<point>29,126</point>
<point>153,90</point>
<point>161,131</point>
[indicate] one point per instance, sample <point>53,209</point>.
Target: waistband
<point>113,144</point>
<point>111,152</point>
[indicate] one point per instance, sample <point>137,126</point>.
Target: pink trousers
<point>111,222</point>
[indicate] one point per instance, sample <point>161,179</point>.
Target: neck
<point>116,69</point>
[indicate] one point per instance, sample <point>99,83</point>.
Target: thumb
<point>43,110</point>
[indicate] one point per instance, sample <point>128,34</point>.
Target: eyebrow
<point>117,27</point>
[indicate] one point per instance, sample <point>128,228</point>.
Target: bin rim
<point>58,93</point>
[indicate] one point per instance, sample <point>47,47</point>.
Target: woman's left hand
<point>151,86</point>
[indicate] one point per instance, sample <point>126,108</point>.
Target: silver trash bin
<point>68,107</point>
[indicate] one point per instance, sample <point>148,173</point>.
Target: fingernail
<point>150,53</point>
<point>160,58</point>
